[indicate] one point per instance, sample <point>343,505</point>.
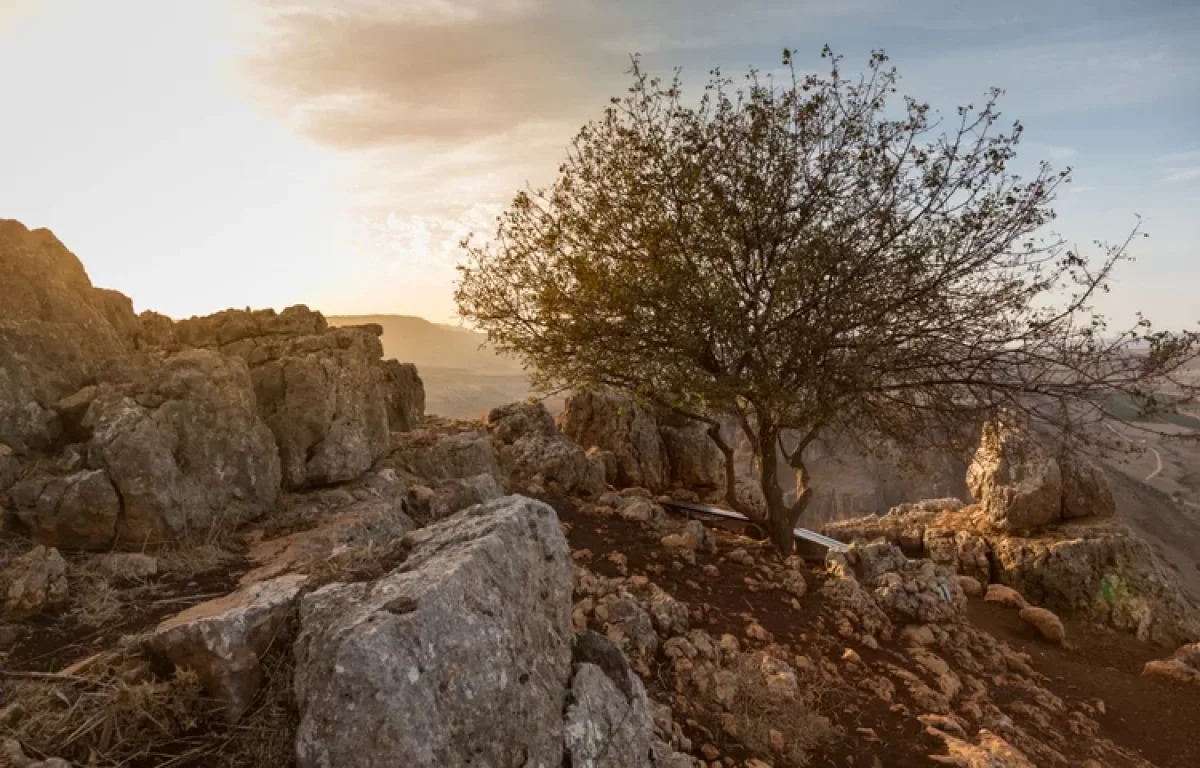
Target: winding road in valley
<point>1157,456</point>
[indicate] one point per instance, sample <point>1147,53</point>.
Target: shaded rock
<point>1046,623</point>
<point>1085,489</point>
<point>695,530</point>
<point>1017,483</point>
<point>79,511</point>
<point>184,447</point>
<point>404,395</point>
<point>695,461</point>
<point>322,399</point>
<point>36,582</point>
<point>908,591</point>
<point>538,458</point>
<point>475,623</point>
<point>223,640</point>
<point>608,722</point>
<point>439,458</point>
<point>611,422</point>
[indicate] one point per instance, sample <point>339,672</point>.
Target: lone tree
<point>795,254</point>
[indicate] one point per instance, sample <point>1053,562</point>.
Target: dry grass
<point>193,561</point>
<point>355,564</point>
<point>113,716</point>
<point>757,713</point>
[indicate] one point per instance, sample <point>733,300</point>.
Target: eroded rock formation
<point>134,430</point>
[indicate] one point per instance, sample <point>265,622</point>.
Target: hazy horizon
<point>267,153</point>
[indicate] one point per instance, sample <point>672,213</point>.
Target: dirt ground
<point>1156,719</point>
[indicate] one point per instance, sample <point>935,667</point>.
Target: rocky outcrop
<point>475,623</point>
<point>174,447</point>
<point>131,430</point>
<point>320,390</point>
<point>907,591</point>
<point>223,640</point>
<point>403,394</point>
<point>1020,483</point>
<point>611,422</point>
<point>1097,570</point>
<point>56,330</point>
<point>538,458</point>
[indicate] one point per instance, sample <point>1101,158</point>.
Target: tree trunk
<point>779,513</point>
<point>731,496</point>
<point>781,516</point>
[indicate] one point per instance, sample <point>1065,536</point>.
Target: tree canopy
<point>807,253</point>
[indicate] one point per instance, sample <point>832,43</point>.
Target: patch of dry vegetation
<point>756,713</point>
<point>354,564</point>
<point>113,712</point>
<point>113,715</point>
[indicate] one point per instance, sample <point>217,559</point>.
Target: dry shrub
<point>757,712</point>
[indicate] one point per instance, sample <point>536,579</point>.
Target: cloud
<point>1183,174</point>
<point>370,75</point>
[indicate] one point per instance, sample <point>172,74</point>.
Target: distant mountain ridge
<point>464,378</point>
<point>416,340</point>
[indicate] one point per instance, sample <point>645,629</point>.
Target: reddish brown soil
<point>1158,719</point>
<point>898,742</point>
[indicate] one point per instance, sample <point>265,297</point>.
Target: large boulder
<point>1017,483</point>
<point>538,458</point>
<point>695,461</point>
<point>1021,483</point>
<point>223,640</point>
<point>77,511</point>
<point>608,720</point>
<point>404,395</point>
<point>467,644</point>
<point>182,446</point>
<point>611,422</point>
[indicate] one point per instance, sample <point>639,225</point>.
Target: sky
<point>205,154</point>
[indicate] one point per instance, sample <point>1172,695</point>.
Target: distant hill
<point>464,378</point>
<point>416,340</point>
